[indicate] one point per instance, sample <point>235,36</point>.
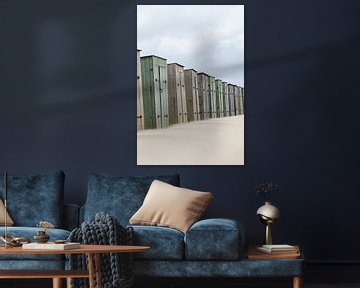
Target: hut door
<point>140,106</point>
<point>182,96</point>
<point>164,118</point>
<point>157,92</point>
<point>179,104</point>
<point>140,103</point>
<point>195,99</point>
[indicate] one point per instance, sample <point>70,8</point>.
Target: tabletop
<point>90,249</point>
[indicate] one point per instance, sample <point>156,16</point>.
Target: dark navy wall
<point>67,100</point>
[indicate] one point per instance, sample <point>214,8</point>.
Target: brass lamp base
<point>268,238</point>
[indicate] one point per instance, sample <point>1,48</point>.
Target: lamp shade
<point>268,211</point>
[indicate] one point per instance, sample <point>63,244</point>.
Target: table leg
<point>57,283</point>
<point>297,282</point>
<point>91,270</point>
<point>68,282</point>
<point>98,270</point>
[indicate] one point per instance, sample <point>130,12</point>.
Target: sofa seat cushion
<point>119,196</point>
<point>29,232</point>
<point>166,243</point>
<point>214,239</point>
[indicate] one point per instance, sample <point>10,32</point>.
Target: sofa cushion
<point>169,206</point>
<point>119,196</point>
<point>165,243</point>
<point>35,198</point>
<point>29,232</point>
<point>9,221</point>
<point>214,239</point>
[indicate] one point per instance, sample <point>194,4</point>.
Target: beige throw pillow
<point>9,221</point>
<point>170,206</point>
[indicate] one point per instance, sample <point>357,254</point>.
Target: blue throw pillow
<point>35,198</point>
<point>119,196</point>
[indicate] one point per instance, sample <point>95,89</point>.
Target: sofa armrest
<point>71,216</point>
<point>215,239</point>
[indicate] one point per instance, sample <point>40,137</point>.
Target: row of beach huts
<point>169,94</point>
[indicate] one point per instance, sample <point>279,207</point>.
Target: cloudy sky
<point>207,38</point>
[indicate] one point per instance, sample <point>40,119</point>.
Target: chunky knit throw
<point>116,268</point>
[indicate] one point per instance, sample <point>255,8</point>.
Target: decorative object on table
<point>11,241</point>
<point>41,236</point>
<point>268,213</point>
<point>60,241</point>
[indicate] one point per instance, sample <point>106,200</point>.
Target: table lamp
<point>268,214</point>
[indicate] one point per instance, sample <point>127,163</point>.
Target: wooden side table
<point>254,254</point>
<point>93,251</point>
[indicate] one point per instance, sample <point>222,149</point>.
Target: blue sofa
<point>32,199</point>
<point>210,248</point>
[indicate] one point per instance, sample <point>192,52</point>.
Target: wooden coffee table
<point>57,275</point>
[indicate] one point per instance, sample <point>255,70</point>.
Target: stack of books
<point>282,251</point>
<point>279,249</point>
<point>51,246</point>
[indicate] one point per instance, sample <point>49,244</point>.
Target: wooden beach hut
<point>192,95</point>
<point>176,91</point>
<point>237,99</point>
<point>242,110</point>
<point>212,97</point>
<point>219,98</point>
<point>203,83</point>
<point>231,99</point>
<point>155,91</point>
<point>226,99</point>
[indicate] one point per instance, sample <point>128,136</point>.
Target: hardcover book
<point>51,246</point>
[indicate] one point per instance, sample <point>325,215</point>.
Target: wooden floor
<point>45,283</point>
<point>273,285</point>
<point>252,283</point>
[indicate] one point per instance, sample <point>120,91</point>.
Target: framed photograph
<point>190,85</point>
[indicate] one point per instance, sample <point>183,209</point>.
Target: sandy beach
<point>218,141</point>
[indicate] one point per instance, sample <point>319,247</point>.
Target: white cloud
<point>208,38</point>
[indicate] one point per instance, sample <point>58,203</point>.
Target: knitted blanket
<point>116,268</point>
